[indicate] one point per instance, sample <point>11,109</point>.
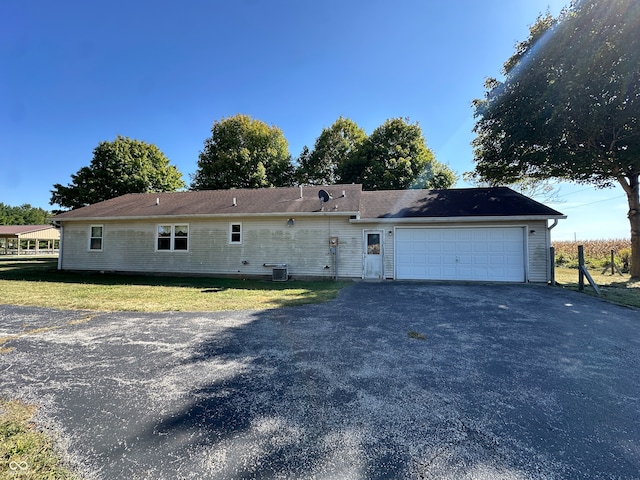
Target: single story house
<point>337,231</point>
<point>12,238</point>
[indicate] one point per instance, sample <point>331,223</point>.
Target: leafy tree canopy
<point>243,153</point>
<point>118,167</point>
<point>395,156</point>
<point>569,105</point>
<point>334,146</point>
<point>543,190</point>
<point>23,215</point>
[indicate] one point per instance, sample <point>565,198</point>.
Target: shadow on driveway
<point>510,381</point>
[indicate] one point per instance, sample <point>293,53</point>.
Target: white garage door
<point>481,254</point>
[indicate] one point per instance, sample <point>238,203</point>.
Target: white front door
<point>373,254</point>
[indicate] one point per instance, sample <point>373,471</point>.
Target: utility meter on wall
<point>333,245</point>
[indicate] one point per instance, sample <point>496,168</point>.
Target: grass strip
<point>614,288</point>
<point>36,282</point>
<point>25,452</point>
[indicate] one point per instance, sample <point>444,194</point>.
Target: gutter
<point>211,216</point>
<point>478,219</point>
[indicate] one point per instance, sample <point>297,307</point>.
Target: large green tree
<point>568,106</point>
<point>118,167</point>
<point>23,215</point>
<point>243,153</point>
<point>395,156</point>
<point>335,145</point>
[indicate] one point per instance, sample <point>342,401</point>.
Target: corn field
<point>597,253</point>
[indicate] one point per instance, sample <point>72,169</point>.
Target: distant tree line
<point>23,215</point>
<point>243,152</point>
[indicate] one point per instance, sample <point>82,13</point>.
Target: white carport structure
<point>11,237</point>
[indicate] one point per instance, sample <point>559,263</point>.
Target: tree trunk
<point>631,187</point>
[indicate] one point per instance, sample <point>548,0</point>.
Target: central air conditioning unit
<point>280,274</point>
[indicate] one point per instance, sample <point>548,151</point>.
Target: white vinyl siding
<point>538,243</point>
<point>304,247</point>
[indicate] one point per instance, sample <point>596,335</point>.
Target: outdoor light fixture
<point>291,222</point>
<point>532,232</point>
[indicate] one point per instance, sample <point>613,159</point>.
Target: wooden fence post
<point>612,264</point>
<point>580,266</point>
<point>583,272</point>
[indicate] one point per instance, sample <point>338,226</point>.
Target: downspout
<point>60,244</point>
<point>550,272</point>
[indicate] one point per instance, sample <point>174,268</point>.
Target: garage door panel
<point>480,247</point>
<point>464,236</point>
<point>447,236</point>
<point>481,260</point>
<point>418,247</point>
<point>464,247</point>
<point>482,254</point>
<point>481,235</point>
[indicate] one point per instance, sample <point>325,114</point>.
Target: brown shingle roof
<point>283,200</point>
<point>455,202</point>
<point>469,202</point>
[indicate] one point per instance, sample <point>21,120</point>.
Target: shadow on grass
<point>39,269</point>
<point>621,293</point>
<point>45,270</point>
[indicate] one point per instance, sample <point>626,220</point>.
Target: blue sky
<point>75,73</point>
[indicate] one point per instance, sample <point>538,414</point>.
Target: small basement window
<point>95,237</point>
<point>173,237</point>
<point>235,233</point>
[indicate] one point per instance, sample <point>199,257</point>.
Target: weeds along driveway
<point>510,381</point>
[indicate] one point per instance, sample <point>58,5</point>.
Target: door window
<point>373,244</point>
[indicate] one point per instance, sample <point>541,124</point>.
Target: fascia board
<point>415,220</point>
<point>209,216</point>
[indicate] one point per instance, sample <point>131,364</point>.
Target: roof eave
<point>341,213</point>
<point>468,219</point>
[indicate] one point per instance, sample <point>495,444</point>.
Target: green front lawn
<point>614,288</point>
<point>36,282</point>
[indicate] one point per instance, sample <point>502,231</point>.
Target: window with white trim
<point>235,233</point>
<point>96,233</point>
<point>173,237</point>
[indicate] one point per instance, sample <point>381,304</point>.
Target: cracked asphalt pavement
<point>502,382</point>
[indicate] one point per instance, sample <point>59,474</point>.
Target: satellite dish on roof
<point>324,196</point>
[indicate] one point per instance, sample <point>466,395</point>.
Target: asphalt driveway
<point>510,381</point>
